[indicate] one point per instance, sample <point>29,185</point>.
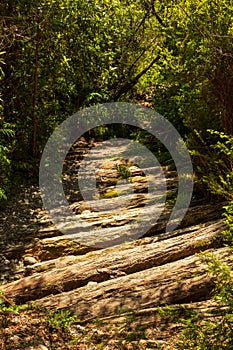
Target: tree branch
<point>129,85</point>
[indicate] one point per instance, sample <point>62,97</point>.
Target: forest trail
<point>40,265</point>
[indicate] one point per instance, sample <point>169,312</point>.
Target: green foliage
<point>60,320</point>
<point>194,79</point>
<point>217,331</point>
<point>6,134</point>
<point>227,235</point>
<point>220,179</point>
<point>124,171</point>
<point>68,54</point>
<point>110,194</point>
<point>6,144</point>
<point>8,305</point>
<point>214,162</point>
<point>214,329</point>
<point>64,55</point>
<point>229,221</point>
<point>16,308</point>
<point>59,56</point>
<point>102,345</point>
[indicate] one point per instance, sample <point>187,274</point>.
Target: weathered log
<point>115,229</point>
<point>172,283</point>
<point>109,263</point>
<point>47,248</point>
<point>207,308</point>
<point>211,230</point>
<point>54,245</point>
<point>194,216</point>
<point>110,229</point>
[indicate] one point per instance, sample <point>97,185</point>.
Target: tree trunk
<point>107,264</point>
<point>172,283</point>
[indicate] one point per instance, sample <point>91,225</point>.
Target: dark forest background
<point>60,56</point>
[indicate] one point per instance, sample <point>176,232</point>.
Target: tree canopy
<point>59,56</point>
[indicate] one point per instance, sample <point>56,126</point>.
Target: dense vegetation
<point>58,56</point>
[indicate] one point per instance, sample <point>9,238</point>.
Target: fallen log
<point>47,248</point>
<point>54,244</point>
<point>172,283</point>
<point>211,230</point>
<point>110,263</point>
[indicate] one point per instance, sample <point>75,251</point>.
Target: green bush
<point>215,332</point>
<point>61,319</point>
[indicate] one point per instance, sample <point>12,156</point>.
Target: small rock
<point>41,347</point>
<point>16,277</point>
<point>79,327</point>
<point>85,212</point>
<point>6,268</point>
<point>15,338</point>
<point>29,260</point>
<point>92,283</point>
<point>37,347</point>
